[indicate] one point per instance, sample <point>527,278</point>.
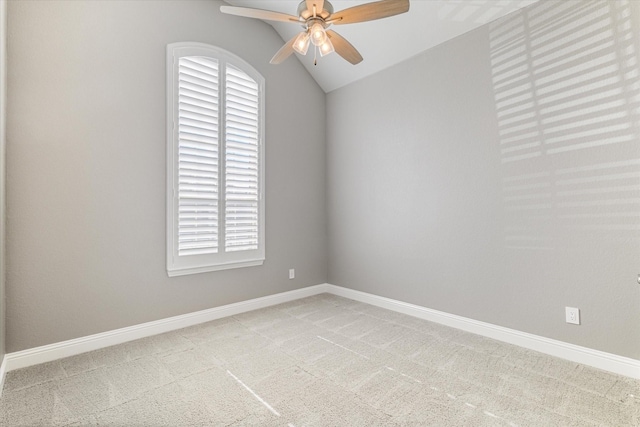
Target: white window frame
<point>222,260</point>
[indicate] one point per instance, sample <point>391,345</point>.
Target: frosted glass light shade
<point>318,35</point>
<point>301,45</point>
<point>326,48</point>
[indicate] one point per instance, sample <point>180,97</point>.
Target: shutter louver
<point>198,108</point>
<point>242,197</point>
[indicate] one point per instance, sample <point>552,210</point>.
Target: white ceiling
<point>388,41</point>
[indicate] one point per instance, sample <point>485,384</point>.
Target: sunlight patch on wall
<point>567,94</point>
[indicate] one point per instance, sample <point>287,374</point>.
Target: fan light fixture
<point>316,16</point>
<point>316,35</point>
<point>322,42</point>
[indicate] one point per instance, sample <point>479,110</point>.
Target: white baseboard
<point>598,359</point>
<point>586,356</point>
<point>50,352</point>
<point>3,371</point>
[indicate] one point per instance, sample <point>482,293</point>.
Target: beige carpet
<point>320,361</point>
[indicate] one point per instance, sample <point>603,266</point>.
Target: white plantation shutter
<point>215,208</point>
<point>198,156</point>
<point>241,161</point>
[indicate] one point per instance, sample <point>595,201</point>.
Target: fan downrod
<point>304,13</point>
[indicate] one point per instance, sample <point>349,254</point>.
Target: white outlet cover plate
<point>572,315</point>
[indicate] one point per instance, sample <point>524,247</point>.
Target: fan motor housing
<point>304,13</point>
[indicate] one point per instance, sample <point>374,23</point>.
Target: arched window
<point>215,160</point>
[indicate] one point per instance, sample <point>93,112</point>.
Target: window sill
<point>209,268</point>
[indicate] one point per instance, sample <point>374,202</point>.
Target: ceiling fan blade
<point>258,13</point>
<point>344,48</point>
<point>370,11</point>
<point>284,52</point>
<point>319,6</point>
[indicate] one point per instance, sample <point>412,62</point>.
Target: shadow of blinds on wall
<point>567,94</point>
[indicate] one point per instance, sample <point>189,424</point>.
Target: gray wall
<point>86,167</point>
<point>3,93</point>
<point>496,176</point>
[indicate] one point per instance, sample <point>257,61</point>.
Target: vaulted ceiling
<point>388,41</point>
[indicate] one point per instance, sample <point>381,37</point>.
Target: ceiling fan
<point>316,16</point>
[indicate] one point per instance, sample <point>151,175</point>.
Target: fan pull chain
<point>315,55</point>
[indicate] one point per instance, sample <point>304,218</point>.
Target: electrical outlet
<point>573,315</point>
<point>292,273</point>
